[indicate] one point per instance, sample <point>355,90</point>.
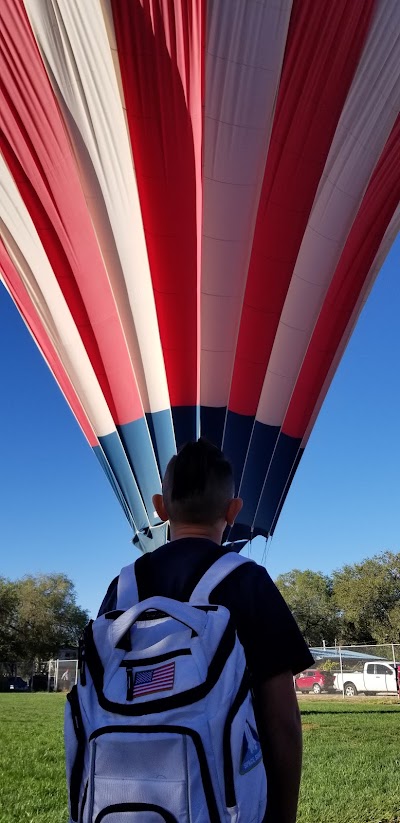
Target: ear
<point>233,510</point>
<point>158,503</point>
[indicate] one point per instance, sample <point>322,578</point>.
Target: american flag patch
<point>154,680</point>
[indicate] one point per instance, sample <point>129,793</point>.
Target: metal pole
<point>341,669</point>
<point>396,671</point>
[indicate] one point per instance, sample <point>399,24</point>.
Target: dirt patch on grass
<point>361,698</point>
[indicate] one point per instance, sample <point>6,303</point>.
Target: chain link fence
<point>40,676</point>
<point>338,670</point>
<point>25,676</point>
<point>352,670</point>
<point>66,674</point>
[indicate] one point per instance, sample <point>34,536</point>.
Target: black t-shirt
<point>266,628</point>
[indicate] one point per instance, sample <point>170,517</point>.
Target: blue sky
<point>58,512</point>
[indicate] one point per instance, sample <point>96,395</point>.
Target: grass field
<point>351,760</point>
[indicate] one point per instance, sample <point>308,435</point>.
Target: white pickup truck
<point>374,677</point>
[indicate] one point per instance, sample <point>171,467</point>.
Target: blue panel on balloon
<point>259,456</point>
<point>119,465</point>
<point>186,424</point>
<point>277,484</point>
<point>289,483</point>
<point>140,453</point>
<point>114,483</point>
<point>163,438</point>
<point>236,442</point>
<point>212,423</point>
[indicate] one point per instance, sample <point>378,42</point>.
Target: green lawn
<point>32,782</point>
<point>351,760</point>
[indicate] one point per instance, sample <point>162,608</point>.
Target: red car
<point>315,681</point>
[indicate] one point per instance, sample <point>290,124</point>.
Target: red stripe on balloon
<point>32,320</point>
<point>376,211</point>
<point>161,56</point>
<point>325,42</point>
<point>39,156</point>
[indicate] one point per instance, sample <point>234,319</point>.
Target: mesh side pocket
<point>138,770</point>
<point>75,743</point>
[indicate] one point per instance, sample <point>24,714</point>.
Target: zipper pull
<point>75,720</point>
<point>129,683</point>
<point>82,662</point>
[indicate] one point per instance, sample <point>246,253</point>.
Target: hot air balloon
<point>196,198</point>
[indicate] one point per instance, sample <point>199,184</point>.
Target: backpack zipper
<point>129,683</point>
<point>82,661</point>
<point>137,663</point>
<point>78,764</point>
<point>243,691</point>
<point>185,698</point>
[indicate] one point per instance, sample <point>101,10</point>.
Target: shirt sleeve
<point>265,625</point>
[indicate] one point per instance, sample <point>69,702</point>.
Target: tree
<point>8,620</point>
<point>309,596</point>
<point>38,615</point>
<point>368,595</point>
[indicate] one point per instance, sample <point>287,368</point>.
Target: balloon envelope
<point>196,198</point>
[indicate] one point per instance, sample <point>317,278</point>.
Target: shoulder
<point>109,602</point>
<point>250,581</point>
<point>265,625</point>
<point>252,598</point>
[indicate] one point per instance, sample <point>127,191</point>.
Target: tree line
<point>357,604</point>
<point>38,616</point>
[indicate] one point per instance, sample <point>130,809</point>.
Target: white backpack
<point>161,724</point>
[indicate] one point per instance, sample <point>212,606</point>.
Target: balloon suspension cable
<point>249,544</point>
<point>265,552</point>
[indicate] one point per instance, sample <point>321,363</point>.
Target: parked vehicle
<point>17,684</point>
<point>373,678</point>
<point>314,680</point>
<point>40,682</point>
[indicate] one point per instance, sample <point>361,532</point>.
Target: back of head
<point>198,484</point>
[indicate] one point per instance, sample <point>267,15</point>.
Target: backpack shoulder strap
<point>127,591</point>
<point>215,575</point>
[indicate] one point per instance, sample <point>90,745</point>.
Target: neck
<point>184,530</point>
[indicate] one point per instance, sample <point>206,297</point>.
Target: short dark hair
<point>198,484</point>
